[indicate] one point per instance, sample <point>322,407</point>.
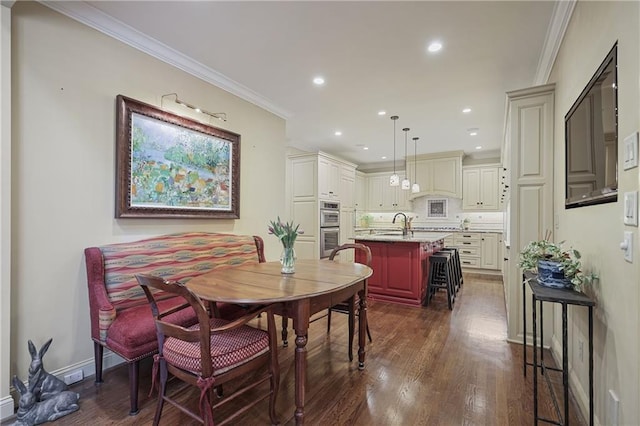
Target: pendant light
<point>406,183</point>
<point>415,188</point>
<point>394,180</point>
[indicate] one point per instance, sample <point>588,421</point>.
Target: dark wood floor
<point>426,366</point>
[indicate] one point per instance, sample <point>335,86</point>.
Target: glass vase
<point>288,260</point>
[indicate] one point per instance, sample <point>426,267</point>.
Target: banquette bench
<point>120,315</point>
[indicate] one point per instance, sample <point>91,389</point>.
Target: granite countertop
<point>416,230</point>
<point>417,237</point>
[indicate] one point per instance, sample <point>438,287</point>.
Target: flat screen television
<point>591,137</point>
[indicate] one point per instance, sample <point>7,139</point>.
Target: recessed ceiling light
<point>384,157</point>
<point>473,133</point>
<point>318,81</point>
<point>382,112</point>
<point>365,148</point>
<point>478,147</point>
<point>338,133</point>
<point>466,110</point>
<point>434,46</point>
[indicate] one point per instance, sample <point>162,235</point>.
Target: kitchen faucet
<point>405,228</point>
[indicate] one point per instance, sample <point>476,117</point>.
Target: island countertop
<point>417,237</point>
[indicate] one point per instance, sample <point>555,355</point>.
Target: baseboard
<point>87,366</point>
<point>579,393</point>
<point>6,408</point>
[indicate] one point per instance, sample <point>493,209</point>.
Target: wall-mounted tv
<point>591,136</point>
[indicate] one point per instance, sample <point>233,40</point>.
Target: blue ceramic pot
<point>550,275</point>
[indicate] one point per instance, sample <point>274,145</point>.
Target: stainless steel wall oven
<point>329,227</point>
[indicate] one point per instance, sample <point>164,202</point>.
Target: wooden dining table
<point>316,285</point>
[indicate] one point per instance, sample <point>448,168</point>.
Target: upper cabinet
<point>347,189</point>
<point>328,179</point>
<point>384,197</point>
<point>438,174</point>
<point>360,202</point>
<point>320,176</point>
<point>480,187</point>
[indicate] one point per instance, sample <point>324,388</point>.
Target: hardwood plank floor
<point>426,366</point>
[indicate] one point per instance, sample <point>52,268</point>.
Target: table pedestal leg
<point>362,328</point>
<point>301,326</point>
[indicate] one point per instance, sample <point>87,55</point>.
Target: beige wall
<point>597,230</point>
<point>65,80</point>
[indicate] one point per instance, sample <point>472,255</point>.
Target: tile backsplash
<point>455,216</point>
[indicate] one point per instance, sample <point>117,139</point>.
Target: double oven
<point>329,227</point>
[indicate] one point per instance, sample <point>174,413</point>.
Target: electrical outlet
<point>74,377</point>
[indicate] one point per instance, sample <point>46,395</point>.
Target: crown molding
<point>98,20</point>
<point>555,33</point>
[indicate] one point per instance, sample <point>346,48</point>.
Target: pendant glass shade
<point>394,180</point>
<point>415,188</point>
<point>406,183</point>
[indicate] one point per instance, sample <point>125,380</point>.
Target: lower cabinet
<point>399,271</point>
<point>477,249</point>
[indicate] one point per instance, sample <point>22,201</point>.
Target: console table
<point>565,297</point>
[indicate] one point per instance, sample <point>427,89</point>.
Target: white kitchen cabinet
<point>347,188</point>
<point>438,174</point>
<point>312,177</point>
<point>529,150</point>
<point>489,248</point>
<point>347,231</point>
<point>469,246</point>
<point>477,250</point>
<point>480,187</point>
<point>361,192</point>
<point>304,178</point>
<point>384,197</point>
<point>328,179</point>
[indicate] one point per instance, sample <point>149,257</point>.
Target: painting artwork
<point>171,166</point>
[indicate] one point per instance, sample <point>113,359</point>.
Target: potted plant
<point>556,267</point>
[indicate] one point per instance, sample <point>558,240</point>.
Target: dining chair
<point>349,306</point>
<point>211,353</point>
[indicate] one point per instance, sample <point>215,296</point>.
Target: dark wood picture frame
<point>168,166</point>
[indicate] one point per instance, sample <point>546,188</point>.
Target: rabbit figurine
<point>31,412</point>
<point>45,385</point>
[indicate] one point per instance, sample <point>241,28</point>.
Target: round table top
<point>264,283</point>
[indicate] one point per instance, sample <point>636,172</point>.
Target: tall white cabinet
<point>529,177</point>
<point>312,177</point>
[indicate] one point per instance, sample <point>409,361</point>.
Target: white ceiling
<point>371,54</point>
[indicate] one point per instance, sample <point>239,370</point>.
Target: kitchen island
<point>400,264</point>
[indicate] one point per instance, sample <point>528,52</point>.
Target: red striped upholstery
<point>177,257</point>
<point>238,346</point>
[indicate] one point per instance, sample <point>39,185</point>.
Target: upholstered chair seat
<point>234,348</point>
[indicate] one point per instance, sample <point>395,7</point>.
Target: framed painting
<point>168,166</point>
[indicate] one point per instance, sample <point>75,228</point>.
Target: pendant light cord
<point>394,118</point>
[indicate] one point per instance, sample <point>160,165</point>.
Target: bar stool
<point>441,277</point>
<point>457,267</point>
